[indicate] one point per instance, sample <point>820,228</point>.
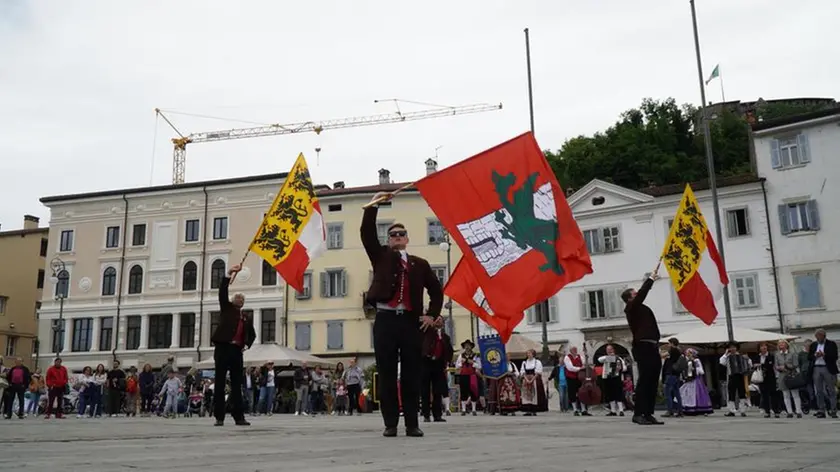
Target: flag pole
<point>544,316</point>
<point>389,195</point>
<point>710,162</point>
<point>722,95</point>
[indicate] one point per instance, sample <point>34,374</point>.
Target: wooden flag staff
<point>241,263</point>
<point>387,196</point>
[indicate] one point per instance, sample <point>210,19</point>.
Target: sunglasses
<point>398,234</point>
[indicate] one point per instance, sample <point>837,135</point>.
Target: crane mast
<point>179,156</point>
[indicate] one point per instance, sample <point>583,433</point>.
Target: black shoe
<point>414,432</point>
<point>620,413</point>
<point>652,420</point>
<point>585,413</point>
<point>440,420</point>
<point>242,422</point>
<point>219,423</point>
<point>390,432</point>
<point>640,420</point>
<point>833,414</point>
<point>426,419</point>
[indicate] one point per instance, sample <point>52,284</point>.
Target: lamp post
<point>59,278</point>
<point>446,246</point>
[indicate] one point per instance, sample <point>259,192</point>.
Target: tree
<point>658,143</point>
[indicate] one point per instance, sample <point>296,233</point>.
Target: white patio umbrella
<point>282,356</point>
<point>717,334</point>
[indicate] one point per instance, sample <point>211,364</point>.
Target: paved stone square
<point>549,442</point>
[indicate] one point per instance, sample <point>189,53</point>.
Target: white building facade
<point>798,157</point>
<point>625,231</point>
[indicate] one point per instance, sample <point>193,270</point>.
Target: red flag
<point>463,288</point>
<point>506,211</point>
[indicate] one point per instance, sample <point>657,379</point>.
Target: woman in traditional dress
<point>533,389</point>
<point>695,395</point>
<point>508,401</point>
<point>467,365</point>
<point>613,367</point>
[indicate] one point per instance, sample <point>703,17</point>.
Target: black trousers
<point>397,338</point>
<point>432,386</point>
<point>228,358</point>
<point>353,392</point>
<point>647,357</point>
<point>114,401</point>
<point>11,392</point>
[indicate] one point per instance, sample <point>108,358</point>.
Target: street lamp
<point>59,278</point>
<point>446,246</point>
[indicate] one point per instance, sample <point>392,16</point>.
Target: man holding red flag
<point>397,293</point>
<point>507,213</point>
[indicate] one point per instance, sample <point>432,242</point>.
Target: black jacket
<point>229,319</point>
<point>768,369</point>
<point>386,264</point>
<point>302,377</point>
<point>640,317</point>
<point>116,379</point>
<point>829,354</point>
<point>27,377</point>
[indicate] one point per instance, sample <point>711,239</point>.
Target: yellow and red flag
<point>292,233</point>
<point>693,262</point>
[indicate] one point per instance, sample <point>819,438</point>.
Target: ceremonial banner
<point>693,262</point>
<point>494,362</point>
<point>292,232</point>
<point>509,216</point>
<point>463,288</point>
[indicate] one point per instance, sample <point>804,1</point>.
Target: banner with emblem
<point>508,214</point>
<point>494,362</point>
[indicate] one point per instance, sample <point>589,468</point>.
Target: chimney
<point>30,222</point>
<point>384,176</point>
<point>339,184</point>
<point>431,166</point>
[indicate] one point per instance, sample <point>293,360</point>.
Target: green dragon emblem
<point>526,230</point>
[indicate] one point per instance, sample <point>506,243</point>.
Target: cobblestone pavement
<point>549,442</point>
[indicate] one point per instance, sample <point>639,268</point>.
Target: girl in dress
<point>613,386</point>
<point>695,395</point>
<point>533,389</point>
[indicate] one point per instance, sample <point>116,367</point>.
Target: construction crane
<point>179,156</point>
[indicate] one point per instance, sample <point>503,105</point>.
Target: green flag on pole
<point>715,74</point>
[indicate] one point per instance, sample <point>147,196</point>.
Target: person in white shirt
<point>574,376</point>
<point>613,386</point>
<point>533,389</point>
<point>266,401</point>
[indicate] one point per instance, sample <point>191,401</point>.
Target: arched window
<point>135,279</point>
<point>109,281</point>
<point>188,282</point>
<point>217,272</point>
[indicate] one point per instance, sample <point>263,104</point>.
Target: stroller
<point>195,405</point>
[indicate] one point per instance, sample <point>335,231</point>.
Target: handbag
<point>757,377</point>
<point>795,381</point>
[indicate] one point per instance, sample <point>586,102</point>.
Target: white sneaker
<point>79,416</point>
<point>297,413</point>
<point>305,413</point>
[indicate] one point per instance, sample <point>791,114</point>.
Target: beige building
<point>144,266</point>
<point>328,319</point>
<point>21,280</point>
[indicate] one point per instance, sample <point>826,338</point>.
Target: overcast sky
<point>79,81</point>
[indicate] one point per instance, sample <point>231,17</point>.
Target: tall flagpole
<point>710,162</point>
<point>720,77</point>
<point>543,316</point>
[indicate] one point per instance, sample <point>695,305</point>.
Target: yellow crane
<point>179,156</point>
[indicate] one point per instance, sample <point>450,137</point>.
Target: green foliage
<point>772,111</point>
<point>658,143</point>
<point>369,370</point>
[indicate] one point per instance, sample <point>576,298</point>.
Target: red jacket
<point>56,377</point>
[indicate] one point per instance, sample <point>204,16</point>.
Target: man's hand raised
<point>234,269</point>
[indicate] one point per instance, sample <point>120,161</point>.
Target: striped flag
<point>292,233</point>
<point>693,262</point>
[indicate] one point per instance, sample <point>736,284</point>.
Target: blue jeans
<point>563,397</point>
<point>247,399</point>
<point>672,391</point>
<point>35,400</point>
<point>266,402</point>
